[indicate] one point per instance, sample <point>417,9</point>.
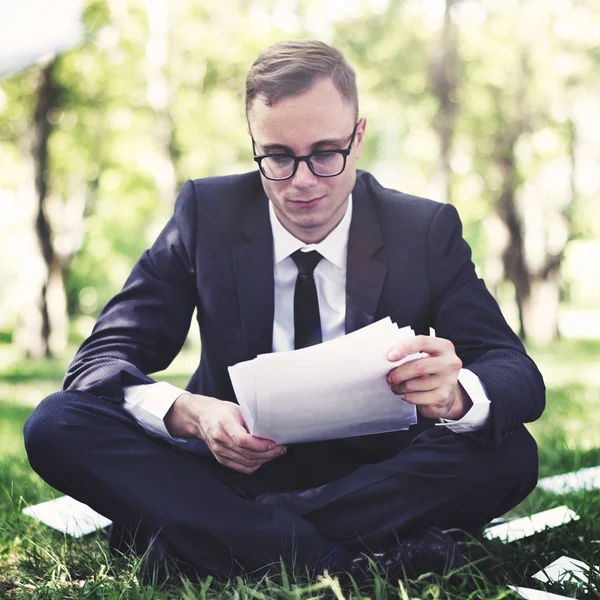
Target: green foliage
<point>110,143</point>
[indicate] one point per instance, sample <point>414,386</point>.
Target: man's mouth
<point>309,202</point>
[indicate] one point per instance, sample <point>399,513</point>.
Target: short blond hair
<point>289,68</point>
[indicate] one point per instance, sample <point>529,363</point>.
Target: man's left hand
<point>431,382</point>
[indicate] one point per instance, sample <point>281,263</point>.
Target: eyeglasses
<point>323,163</point>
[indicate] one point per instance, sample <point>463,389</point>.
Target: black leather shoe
<point>160,563</point>
<point>428,551</point>
<point>156,562</point>
<point>122,539</point>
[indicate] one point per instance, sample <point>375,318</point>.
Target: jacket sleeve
<point>144,326</point>
<point>466,313</point>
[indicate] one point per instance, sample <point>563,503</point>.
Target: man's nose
<point>304,177</point>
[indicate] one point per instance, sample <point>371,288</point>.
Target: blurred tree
<point>52,336</point>
<point>390,49</point>
<point>42,325</point>
<point>445,83</point>
<point>517,119</point>
<point>159,94</point>
<point>458,96</point>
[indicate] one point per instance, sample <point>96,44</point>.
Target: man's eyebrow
<point>279,148</point>
<point>282,149</point>
<point>335,143</point>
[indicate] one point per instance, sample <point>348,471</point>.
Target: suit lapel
<point>364,275</point>
<point>253,267</point>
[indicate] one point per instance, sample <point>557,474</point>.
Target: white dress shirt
<point>149,403</point>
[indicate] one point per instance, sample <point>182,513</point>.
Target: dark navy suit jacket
<point>406,260</point>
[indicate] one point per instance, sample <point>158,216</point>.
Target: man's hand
<point>431,383</point>
<point>221,425</point>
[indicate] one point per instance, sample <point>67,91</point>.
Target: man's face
<point>307,205</point>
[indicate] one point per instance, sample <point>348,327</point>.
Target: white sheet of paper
<point>584,479</point>
<point>530,594</point>
<point>331,390</point>
<point>244,385</point>
<point>566,570</point>
<point>68,515</point>
<point>526,526</point>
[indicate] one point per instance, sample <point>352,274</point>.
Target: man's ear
<point>360,136</point>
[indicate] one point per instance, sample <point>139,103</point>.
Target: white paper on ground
<point>68,515</point>
<point>566,570</point>
<point>526,526</point>
<point>331,390</point>
<point>530,594</point>
<point>584,479</point>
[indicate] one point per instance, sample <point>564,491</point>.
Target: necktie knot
<point>306,261</point>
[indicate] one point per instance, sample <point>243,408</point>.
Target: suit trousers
<point>318,503</point>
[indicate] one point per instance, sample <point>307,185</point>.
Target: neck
<point>312,235</point>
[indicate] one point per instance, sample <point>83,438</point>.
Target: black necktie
<point>307,321</point>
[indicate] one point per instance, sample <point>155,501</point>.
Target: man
<point>182,465</point>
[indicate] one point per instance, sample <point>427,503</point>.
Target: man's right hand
<point>221,425</point>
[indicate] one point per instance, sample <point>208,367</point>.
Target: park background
<point>108,106</point>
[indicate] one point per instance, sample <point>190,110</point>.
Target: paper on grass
<point>567,570</point>
<point>330,390</point>
<point>584,479</point>
<point>530,594</point>
<point>68,515</point>
<point>526,526</point>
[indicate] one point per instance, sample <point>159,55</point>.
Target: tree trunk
<point>537,226</point>
<point>52,302</point>
<point>548,226</point>
<point>513,255</point>
<point>158,95</point>
<point>445,83</point>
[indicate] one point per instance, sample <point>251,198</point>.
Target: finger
<point>428,383</point>
<point>420,343</point>
<point>437,397</point>
<point>273,452</point>
<point>224,442</point>
<point>240,462</point>
<point>422,367</point>
<point>226,454</point>
<point>236,466</point>
<point>248,457</point>
<point>242,439</point>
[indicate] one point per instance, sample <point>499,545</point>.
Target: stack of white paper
<point>530,594</point>
<point>584,479</point>
<point>331,390</point>
<point>567,570</point>
<point>68,515</point>
<point>526,526</point>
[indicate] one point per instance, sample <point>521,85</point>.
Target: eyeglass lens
<point>322,163</point>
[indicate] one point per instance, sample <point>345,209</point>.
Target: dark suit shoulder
<point>216,206</point>
<point>219,193</point>
<point>227,187</point>
<point>393,199</point>
<point>396,209</point>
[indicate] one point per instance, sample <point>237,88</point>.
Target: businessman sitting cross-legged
<point>303,250</point>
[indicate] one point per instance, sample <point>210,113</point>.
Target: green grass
<point>37,562</point>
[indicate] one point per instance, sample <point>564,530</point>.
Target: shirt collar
<point>334,247</point>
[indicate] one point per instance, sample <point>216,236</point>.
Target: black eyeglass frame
<point>298,159</point>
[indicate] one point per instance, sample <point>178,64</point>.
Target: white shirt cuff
<point>149,403</point>
<point>479,414</point>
